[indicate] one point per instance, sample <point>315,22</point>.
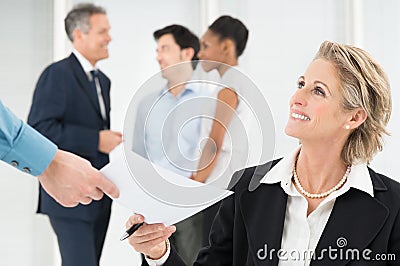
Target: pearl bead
<point>323,194</point>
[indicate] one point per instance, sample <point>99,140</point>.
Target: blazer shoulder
<point>55,67</point>
<point>384,183</point>
<point>56,71</point>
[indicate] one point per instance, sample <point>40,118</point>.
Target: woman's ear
<point>357,118</point>
<point>228,47</point>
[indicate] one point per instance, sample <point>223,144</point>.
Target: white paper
<point>136,199</point>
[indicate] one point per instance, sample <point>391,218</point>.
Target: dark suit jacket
<point>66,110</point>
<point>249,220</point>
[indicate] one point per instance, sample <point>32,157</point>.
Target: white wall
<point>382,40</point>
<point>284,36</point>
<point>26,48</point>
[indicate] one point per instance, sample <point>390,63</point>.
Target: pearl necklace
<point>323,194</point>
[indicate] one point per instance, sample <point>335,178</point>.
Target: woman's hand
<point>149,239</point>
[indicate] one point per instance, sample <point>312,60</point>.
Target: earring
<point>347,127</point>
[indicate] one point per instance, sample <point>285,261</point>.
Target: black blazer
<point>249,220</point>
<point>66,110</point>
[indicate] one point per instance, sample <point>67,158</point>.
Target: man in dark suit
<point>71,107</point>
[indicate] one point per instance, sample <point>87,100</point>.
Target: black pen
<point>130,231</point>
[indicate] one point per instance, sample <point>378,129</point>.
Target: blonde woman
<point>321,204</point>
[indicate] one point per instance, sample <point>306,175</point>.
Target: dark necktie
<point>96,87</point>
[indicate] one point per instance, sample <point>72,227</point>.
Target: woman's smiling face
<point>316,111</point>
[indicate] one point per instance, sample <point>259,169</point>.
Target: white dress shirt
<point>301,233</point>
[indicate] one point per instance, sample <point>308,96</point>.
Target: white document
<point>155,209</point>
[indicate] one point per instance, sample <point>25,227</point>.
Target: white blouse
<point>301,233</point>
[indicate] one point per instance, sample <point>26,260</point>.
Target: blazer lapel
<point>264,215</point>
<point>85,83</point>
<point>353,212</point>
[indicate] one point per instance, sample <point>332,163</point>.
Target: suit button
<point>26,170</point>
<point>14,163</point>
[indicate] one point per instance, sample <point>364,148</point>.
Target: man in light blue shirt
<point>68,178</point>
<point>165,132</point>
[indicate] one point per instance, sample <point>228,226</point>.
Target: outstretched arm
<point>68,178</point>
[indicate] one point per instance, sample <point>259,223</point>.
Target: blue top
<point>22,146</point>
<point>167,131</point>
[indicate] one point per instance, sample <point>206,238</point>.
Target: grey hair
<point>78,18</point>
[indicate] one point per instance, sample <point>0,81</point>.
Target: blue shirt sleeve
<point>22,146</point>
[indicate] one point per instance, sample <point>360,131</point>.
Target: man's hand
<point>149,239</point>
<point>108,140</point>
<point>71,180</point>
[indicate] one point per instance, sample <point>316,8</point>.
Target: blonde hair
<point>364,84</point>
